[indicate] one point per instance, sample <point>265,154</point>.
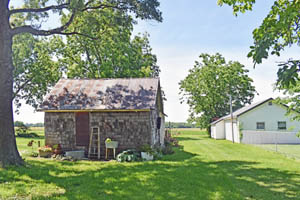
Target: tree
<point>35,70</point>
<point>280,29</point>
<point>35,12</point>
<point>109,51</point>
<point>208,87</point>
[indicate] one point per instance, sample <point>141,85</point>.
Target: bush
<point>128,156</point>
<point>147,148</point>
<point>22,129</point>
<point>169,143</point>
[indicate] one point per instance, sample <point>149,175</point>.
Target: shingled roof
<point>102,94</point>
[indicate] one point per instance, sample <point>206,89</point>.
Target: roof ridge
<point>244,109</point>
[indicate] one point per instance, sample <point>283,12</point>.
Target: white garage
<point>264,122</point>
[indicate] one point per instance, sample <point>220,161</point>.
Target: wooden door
<point>82,129</point>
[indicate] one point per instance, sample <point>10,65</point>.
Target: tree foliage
<point>113,53</point>
<point>35,70</point>
<point>208,87</point>
<point>279,29</point>
<point>104,49</point>
<point>32,14</point>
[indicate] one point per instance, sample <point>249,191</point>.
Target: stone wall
<point>60,129</point>
<point>130,129</point>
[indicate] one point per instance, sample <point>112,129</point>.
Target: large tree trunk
<point>9,154</point>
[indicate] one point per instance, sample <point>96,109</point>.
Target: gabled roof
<point>102,94</point>
<point>242,110</point>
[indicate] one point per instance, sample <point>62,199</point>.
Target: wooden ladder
<point>94,148</point>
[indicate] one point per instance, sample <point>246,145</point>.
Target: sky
<point>192,27</point>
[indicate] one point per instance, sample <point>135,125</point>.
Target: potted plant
<point>111,144</point>
<point>45,151</point>
<point>57,150</point>
<point>147,152</point>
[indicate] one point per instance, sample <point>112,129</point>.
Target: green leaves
<point>288,74</point>
<point>110,51</point>
<point>280,29</point>
<point>35,71</point>
<point>238,5</point>
<point>113,52</point>
<point>208,85</point>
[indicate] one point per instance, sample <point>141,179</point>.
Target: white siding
<point>213,131</point>
<point>220,132</point>
<point>269,137</point>
<point>270,115</point>
<point>228,131</point>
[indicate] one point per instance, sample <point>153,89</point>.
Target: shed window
<point>281,125</point>
<point>260,125</point>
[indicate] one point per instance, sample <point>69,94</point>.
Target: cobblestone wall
<point>60,129</point>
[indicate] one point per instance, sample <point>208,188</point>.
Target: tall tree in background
<point>35,12</point>
<point>208,87</point>
<point>107,50</point>
<point>279,29</point>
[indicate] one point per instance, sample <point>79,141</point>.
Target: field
<point>201,168</point>
<point>22,142</point>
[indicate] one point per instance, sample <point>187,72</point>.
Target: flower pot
<point>111,144</point>
<point>45,154</point>
<point>58,150</point>
<point>146,156</point>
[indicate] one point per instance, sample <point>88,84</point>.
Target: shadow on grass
<point>186,138</point>
<point>30,136</point>
<point>180,176</point>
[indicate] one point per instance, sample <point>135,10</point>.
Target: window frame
<point>257,127</point>
<point>278,128</point>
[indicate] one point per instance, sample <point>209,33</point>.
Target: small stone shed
<point>129,111</point>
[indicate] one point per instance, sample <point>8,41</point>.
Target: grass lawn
<point>201,168</point>
<point>23,141</point>
<point>290,150</point>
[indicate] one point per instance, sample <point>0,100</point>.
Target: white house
<point>264,122</point>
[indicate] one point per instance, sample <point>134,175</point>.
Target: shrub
<point>147,148</point>
<point>128,156</point>
<point>22,130</point>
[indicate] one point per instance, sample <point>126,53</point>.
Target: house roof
<point>102,94</point>
<point>242,110</point>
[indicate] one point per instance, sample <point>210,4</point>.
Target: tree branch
<point>36,10</point>
<point>103,6</point>
<point>59,30</point>
<point>21,87</point>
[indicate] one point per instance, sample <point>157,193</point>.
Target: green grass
<point>22,142</point>
<point>201,168</point>
<point>290,150</point>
